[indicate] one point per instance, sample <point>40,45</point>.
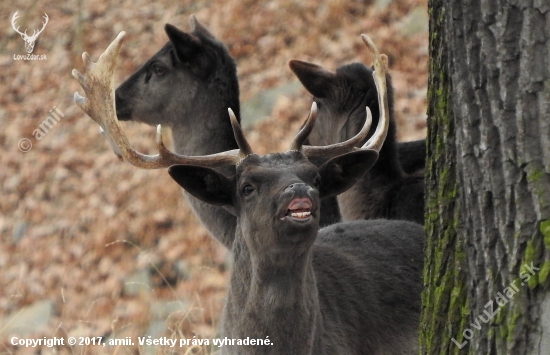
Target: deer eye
<point>159,70</point>
<point>247,190</point>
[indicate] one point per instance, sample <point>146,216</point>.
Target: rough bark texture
<point>488,179</point>
<point>444,297</point>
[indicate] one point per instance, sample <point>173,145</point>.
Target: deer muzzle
<point>300,207</point>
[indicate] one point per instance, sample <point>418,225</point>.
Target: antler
<point>377,139</point>
<point>329,150</point>
<point>13,24</point>
<point>99,104</point>
<point>380,69</point>
<point>34,32</point>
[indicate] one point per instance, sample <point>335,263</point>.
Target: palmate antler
<point>99,104</point>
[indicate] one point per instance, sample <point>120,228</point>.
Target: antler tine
<point>244,148</point>
<point>166,158</point>
<point>380,70</point>
<point>35,33</point>
<point>99,104</point>
<point>43,24</point>
<point>13,23</point>
<point>336,149</point>
<point>306,129</point>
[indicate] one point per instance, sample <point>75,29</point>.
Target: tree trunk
<point>488,179</point>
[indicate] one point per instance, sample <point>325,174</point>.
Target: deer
<point>349,288</point>
<point>29,40</point>
<point>393,188</point>
<point>187,86</point>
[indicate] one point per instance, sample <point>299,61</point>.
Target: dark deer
<point>387,190</point>
<point>351,288</point>
<point>188,86</point>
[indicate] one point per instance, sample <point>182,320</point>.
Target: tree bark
<point>488,179</point>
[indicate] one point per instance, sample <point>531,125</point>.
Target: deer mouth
<point>124,114</point>
<point>299,209</point>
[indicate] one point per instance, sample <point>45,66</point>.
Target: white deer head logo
<point>29,40</point>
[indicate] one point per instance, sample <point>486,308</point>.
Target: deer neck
<point>274,298</point>
<point>370,198</point>
<point>207,132</point>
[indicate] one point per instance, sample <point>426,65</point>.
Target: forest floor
<point>93,247</point>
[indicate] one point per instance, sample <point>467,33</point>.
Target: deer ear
<point>185,45</point>
<point>342,172</point>
<point>206,184</point>
<point>317,80</point>
<point>190,50</point>
<point>198,27</point>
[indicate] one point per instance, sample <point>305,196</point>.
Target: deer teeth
<point>300,214</point>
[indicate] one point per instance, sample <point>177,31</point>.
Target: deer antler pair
<point>99,104</point>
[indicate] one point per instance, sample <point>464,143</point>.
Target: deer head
<point>29,40</point>
<point>189,83</point>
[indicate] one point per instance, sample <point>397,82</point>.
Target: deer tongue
<point>302,203</point>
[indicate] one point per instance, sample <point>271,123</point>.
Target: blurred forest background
<point>94,247</point>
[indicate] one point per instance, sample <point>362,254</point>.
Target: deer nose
<point>297,188</point>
